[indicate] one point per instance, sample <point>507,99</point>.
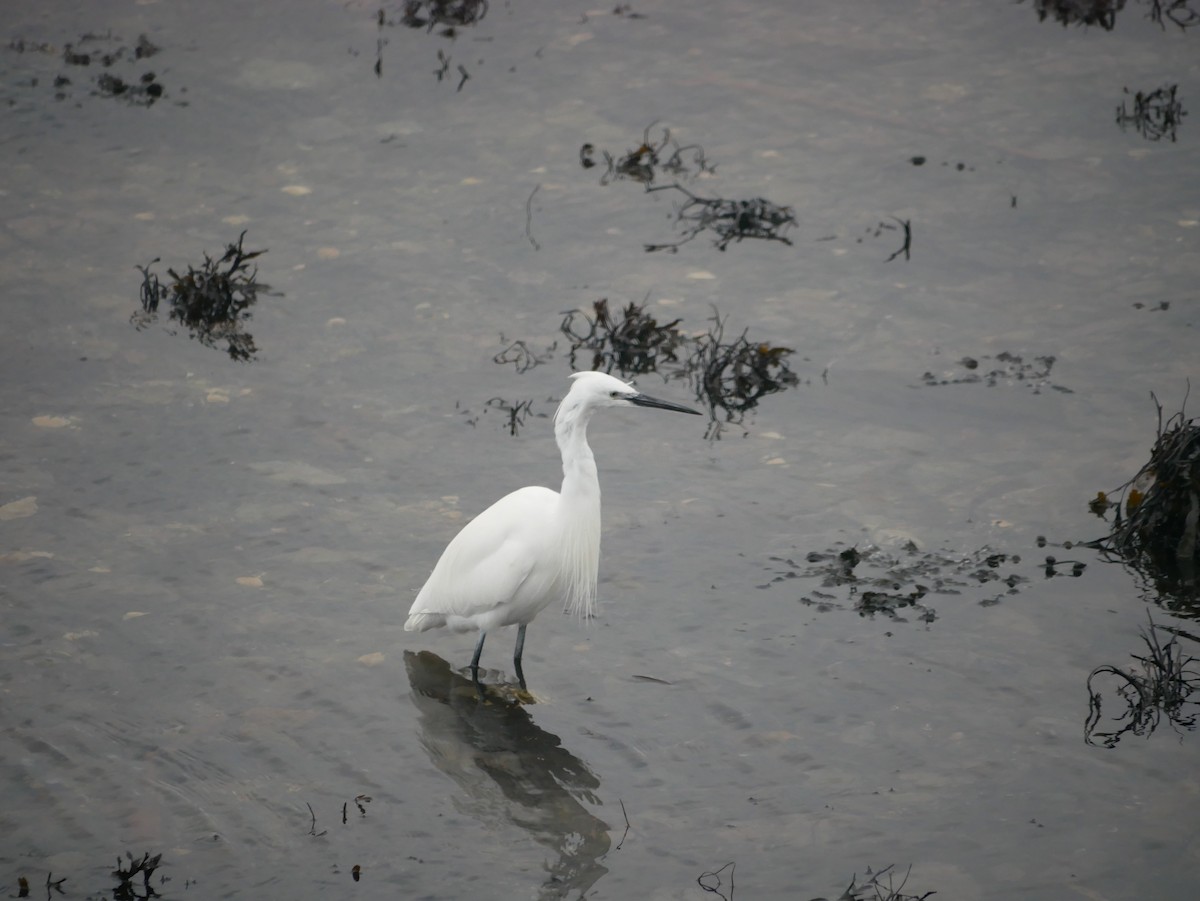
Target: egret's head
<point>592,390</point>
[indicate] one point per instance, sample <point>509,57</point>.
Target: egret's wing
<point>486,563</point>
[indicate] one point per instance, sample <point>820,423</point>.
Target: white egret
<point>535,545</point>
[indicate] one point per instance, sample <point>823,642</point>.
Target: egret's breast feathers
<point>580,562</point>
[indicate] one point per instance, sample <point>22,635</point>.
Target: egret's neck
<point>579,466</point>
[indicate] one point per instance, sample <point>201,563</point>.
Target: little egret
<point>532,546</point>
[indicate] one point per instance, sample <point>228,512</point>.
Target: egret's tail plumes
<point>422,622</point>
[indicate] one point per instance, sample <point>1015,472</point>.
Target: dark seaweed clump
<point>450,14</point>
<point>142,92</point>
<point>875,582</point>
<point>1104,12</point>
<point>102,51</point>
<point>729,377</point>
<point>631,342</point>
<point>1008,368</point>
<point>213,302</point>
<point>1157,517</point>
<point>1154,115</point>
<point>1080,12</point>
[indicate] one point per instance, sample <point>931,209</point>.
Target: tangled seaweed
<point>712,882</point>
<point>644,162</point>
<point>1157,519</point>
<point>728,377</point>
<point>213,302</point>
<point>1178,12</point>
<point>522,356</point>
<point>1155,115</point>
<point>632,343</point>
<point>1104,12</point>
<point>874,888</point>
<point>1159,685</point>
<point>731,377</point>
<point>730,220</point>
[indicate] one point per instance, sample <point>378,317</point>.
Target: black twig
<point>516,412</point>
<point>626,832</point>
<point>529,218</point>
<point>312,829</point>
<point>906,248</point>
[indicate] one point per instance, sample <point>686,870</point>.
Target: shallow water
<point>205,565</point>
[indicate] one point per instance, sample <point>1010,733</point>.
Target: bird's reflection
<point>512,771</point>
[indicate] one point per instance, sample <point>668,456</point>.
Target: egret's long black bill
<point>642,400</point>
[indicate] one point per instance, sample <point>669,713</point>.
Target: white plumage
<point>535,545</point>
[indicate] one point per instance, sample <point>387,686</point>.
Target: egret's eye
<point>614,394</point>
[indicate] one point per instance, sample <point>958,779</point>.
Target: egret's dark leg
<point>517,651</point>
<point>475,663</point>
